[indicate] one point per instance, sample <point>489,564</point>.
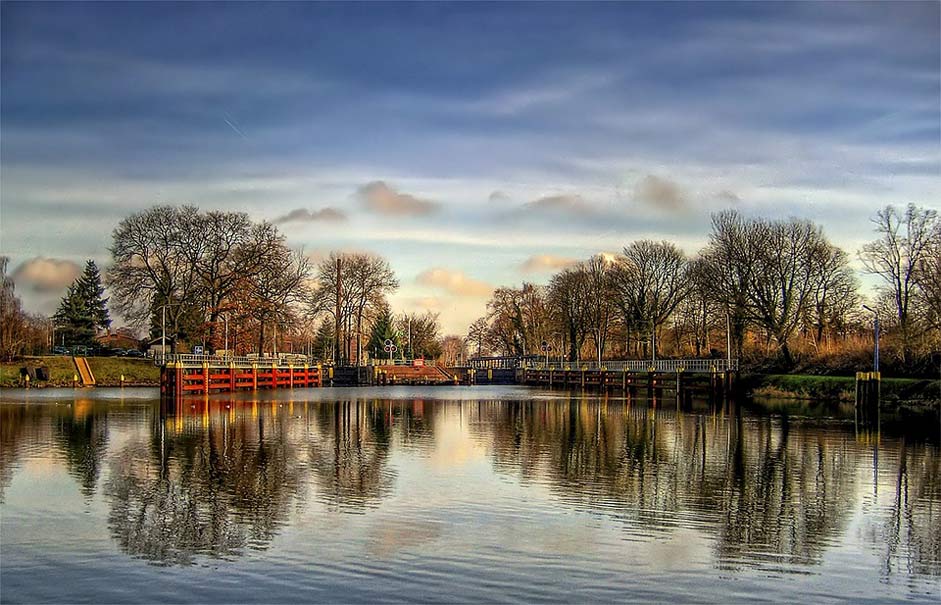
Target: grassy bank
<point>895,391</point>
<point>107,371</point>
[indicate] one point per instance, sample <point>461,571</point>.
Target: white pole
<point>728,340</point>
<point>225,318</point>
<point>163,334</point>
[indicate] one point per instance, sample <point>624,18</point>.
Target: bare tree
<point>152,264</point>
<point>227,246</point>
<point>419,333</point>
<point>697,312</point>
<point>12,319</point>
<point>518,319</point>
<point>568,300</point>
<point>453,350</point>
<point>649,283</point>
<point>904,244</point>
<point>271,293</point>
<point>781,285</point>
<point>477,335</point>
<point>728,266</point>
<point>349,287</point>
<point>928,280</point>
<point>834,290</point>
<point>599,278</point>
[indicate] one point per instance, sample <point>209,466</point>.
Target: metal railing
<point>284,360</point>
<point>639,365</point>
<point>197,361</point>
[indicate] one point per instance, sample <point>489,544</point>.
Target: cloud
<point>46,275</point>
<point>453,282</point>
<point>498,197</point>
<point>728,196</point>
<point>546,262</point>
<point>303,215</point>
<point>382,199</point>
<point>659,192</point>
<point>566,203</point>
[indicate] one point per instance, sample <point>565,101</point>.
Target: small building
<point>122,338</point>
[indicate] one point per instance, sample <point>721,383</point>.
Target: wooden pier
<point>714,378</point>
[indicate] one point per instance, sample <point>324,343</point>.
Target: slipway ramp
<point>84,371</point>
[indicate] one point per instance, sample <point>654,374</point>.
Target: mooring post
<point>254,376</point>
<point>205,377</point>
<point>178,370</point>
<point>679,387</point>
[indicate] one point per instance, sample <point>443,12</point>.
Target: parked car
<point>133,353</point>
<point>60,351</point>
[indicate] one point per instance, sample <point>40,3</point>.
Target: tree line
<point>776,291</point>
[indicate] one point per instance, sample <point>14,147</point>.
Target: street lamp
<point>163,330</point>
<point>225,318</point>
<point>875,324</point>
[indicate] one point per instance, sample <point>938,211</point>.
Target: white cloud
<point>379,197</point>
<point>46,275</point>
<point>540,263</point>
<point>453,282</point>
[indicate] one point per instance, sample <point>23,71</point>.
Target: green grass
<point>839,388</point>
<point>107,371</point>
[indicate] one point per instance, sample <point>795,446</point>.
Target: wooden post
<point>179,380</point>
<point>254,376</point>
<point>205,377</point>
<point>232,376</point>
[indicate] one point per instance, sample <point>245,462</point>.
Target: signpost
<point>390,349</point>
<point>546,347</point>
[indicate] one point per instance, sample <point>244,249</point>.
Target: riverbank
<point>107,371</point>
<point>897,393</point>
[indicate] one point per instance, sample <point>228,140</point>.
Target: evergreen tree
<point>383,329</point>
<point>323,341</point>
<point>91,290</point>
<point>83,311</point>
<point>74,322</point>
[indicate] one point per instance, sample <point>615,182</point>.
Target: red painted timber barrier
<point>178,380</point>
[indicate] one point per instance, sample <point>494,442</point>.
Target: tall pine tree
<point>383,329</point>
<point>92,291</point>
<point>82,311</point>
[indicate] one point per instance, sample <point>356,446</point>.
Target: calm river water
<point>454,494</point>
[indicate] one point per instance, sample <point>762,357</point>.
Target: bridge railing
<point>197,361</point>
<point>698,366</point>
<point>501,363</point>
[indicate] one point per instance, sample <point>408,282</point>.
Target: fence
<point>699,366</point>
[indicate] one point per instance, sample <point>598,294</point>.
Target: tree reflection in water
<point>349,457</point>
<point>772,496</point>
<point>214,478</point>
<point>217,477</point>
<point>82,436</point>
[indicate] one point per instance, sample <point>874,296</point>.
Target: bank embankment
<point>913,394</point>
<point>61,371</point>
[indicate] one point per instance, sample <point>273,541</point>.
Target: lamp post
<point>163,330</point>
<point>875,327</point>
<point>225,318</point>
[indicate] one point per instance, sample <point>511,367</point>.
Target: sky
<point>473,145</point>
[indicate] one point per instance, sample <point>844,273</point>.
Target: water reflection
<point>348,454</point>
<point>214,477</point>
